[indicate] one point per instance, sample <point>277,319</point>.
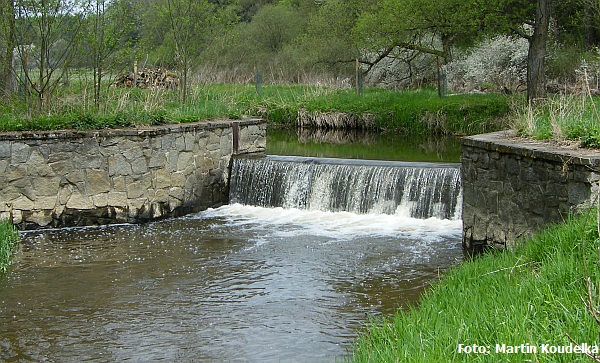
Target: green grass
<point>561,117</point>
<point>532,295</point>
<point>415,111</point>
<point>9,237</point>
<point>422,111</point>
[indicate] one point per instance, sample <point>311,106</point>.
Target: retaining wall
<point>513,186</point>
<point>71,178</point>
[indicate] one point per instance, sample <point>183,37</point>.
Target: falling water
<point>417,190</point>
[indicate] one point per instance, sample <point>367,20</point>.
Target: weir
<point>417,190</point>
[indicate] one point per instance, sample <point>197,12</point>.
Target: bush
<point>497,63</point>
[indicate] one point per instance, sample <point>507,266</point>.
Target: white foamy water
<point>336,225</point>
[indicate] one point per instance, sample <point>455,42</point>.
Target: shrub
<point>497,63</point>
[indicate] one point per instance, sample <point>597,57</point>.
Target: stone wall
<point>513,186</point>
<point>71,178</point>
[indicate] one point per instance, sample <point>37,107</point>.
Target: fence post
<point>235,128</point>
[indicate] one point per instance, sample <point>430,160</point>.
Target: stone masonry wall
<point>71,178</point>
<point>512,186</point>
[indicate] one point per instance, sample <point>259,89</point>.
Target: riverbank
<point>419,111</point>
<point>526,304</point>
<point>9,237</point>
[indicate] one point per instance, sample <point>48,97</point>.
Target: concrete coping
<point>509,142</point>
<point>142,131</point>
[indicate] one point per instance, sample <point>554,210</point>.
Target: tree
<point>107,27</point>
<point>193,25</point>
<point>47,33</point>
<point>435,27</point>
<point>536,57</point>
<point>7,45</point>
<point>410,30</point>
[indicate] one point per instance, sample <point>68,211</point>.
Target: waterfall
<point>418,190</point>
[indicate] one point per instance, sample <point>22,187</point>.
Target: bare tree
<point>47,32</point>
<point>108,25</point>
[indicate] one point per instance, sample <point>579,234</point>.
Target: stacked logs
<point>149,78</point>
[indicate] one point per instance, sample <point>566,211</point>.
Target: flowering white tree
<point>498,63</point>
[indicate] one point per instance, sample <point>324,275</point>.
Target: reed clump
<point>542,294</point>
<point>9,236</point>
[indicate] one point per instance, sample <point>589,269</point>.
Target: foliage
<point>532,295</point>
<point>9,236</point>
<point>499,63</point>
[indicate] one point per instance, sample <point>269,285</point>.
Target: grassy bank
<point>8,240</point>
<point>562,117</point>
<point>416,111</point>
<point>531,296</point>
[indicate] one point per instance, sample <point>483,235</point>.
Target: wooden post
<point>135,73</point>
<point>357,80</point>
<point>235,128</point>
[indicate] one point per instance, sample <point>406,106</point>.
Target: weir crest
<point>417,190</point>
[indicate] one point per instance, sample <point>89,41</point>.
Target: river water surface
<point>233,284</point>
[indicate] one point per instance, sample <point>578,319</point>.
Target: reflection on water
<point>236,283</point>
<point>362,145</point>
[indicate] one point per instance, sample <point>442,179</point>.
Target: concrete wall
<point>70,178</point>
<point>512,186</point>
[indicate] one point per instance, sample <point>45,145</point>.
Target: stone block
<point>16,216</point>
<point>190,141</point>
<point>178,179</point>
<point>80,201</point>
<point>162,179</point>
<point>133,152</point>
<point>119,166</point>
<point>45,203</point>
<point>64,194</point>
<point>137,189</point>
<point>117,199</point>
<point>160,196</point>
<point>177,193</point>
<point>20,153</point>
<point>139,166</point>
<point>158,159</point>
<point>46,187</point>
<point>185,159</point>
<point>180,143</point>
<point>5,147</point>
<point>16,172</point>
<point>37,166</point>
<point>22,203</point>
<point>118,184</point>
<point>100,200</point>
<point>97,181</point>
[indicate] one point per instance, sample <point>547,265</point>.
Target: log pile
<point>149,78</point>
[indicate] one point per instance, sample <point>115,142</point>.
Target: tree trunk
<point>536,57</point>
<point>591,36</point>
<point>6,75</point>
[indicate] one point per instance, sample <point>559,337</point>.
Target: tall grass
<point>573,115</point>
<point>9,237</point>
<point>534,294</point>
<point>562,117</point>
